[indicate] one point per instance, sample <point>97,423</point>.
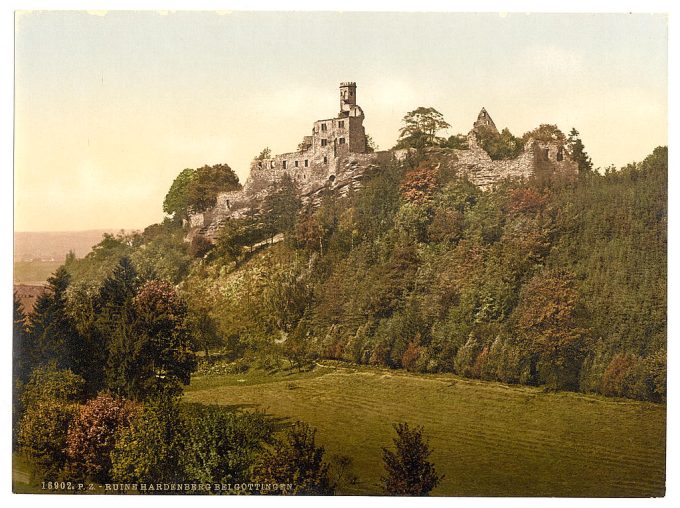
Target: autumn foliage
<point>419,183</point>
<point>92,435</point>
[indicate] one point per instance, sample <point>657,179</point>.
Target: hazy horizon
<point>110,108</point>
<point>57,231</point>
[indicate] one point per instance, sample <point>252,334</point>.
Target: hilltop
<point>338,154</point>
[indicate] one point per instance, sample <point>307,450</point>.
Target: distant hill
<point>54,245</point>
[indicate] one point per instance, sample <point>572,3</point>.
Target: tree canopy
<point>176,201</point>
<point>196,190</point>
<point>578,152</point>
<point>420,128</point>
<point>499,145</point>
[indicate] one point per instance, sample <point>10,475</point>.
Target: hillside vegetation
<point>558,284</point>
<point>554,284</point>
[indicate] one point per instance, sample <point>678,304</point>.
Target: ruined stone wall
<point>537,157</point>
<point>342,172</point>
<point>335,157</point>
<point>348,170</point>
<point>357,135</point>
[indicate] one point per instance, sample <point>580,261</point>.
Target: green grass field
<point>488,439</point>
<point>34,272</point>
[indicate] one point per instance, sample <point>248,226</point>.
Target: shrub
<point>501,145</point>
<point>49,383</point>
<point>48,403</point>
<point>151,446</point>
<point>221,445</point>
<point>295,459</point>
<point>92,435</point>
<point>42,436</point>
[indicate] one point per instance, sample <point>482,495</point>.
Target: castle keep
<point>320,155</point>
<point>336,156</point>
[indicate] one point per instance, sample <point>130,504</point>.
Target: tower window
<point>324,142</point>
<point>296,163</point>
<point>306,163</point>
<point>285,164</point>
<point>325,159</point>
<point>323,127</point>
<point>341,141</point>
<point>341,124</point>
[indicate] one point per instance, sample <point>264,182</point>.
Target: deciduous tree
<point>207,183</point>
<point>176,201</point>
<point>549,320</point>
<point>420,128</point>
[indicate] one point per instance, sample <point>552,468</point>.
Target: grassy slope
<point>488,439</point>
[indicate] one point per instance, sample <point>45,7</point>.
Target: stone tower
<point>484,120</point>
<point>348,97</point>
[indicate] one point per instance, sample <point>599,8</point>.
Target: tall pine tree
<point>21,353</point>
<point>53,333</point>
<point>578,153</point>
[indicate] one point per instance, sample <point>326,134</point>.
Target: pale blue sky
<point>110,108</point>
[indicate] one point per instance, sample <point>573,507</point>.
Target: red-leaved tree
<point>92,435</point>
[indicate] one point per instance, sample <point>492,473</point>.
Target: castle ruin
<point>336,156</point>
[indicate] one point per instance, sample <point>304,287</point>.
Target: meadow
<point>34,272</point>
<point>488,439</point>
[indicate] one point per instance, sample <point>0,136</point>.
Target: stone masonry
<point>336,156</point>
<point>537,158</point>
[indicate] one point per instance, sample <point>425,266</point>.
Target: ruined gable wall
<point>357,135</point>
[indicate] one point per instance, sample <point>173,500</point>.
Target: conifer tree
<point>52,330</point>
<point>408,470</point>
<point>295,459</point>
<point>578,153</point>
<point>149,348</point>
<point>21,350</point>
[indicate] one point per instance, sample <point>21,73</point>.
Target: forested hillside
<point>548,283</point>
<point>561,284</point>
<point>551,282</point>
